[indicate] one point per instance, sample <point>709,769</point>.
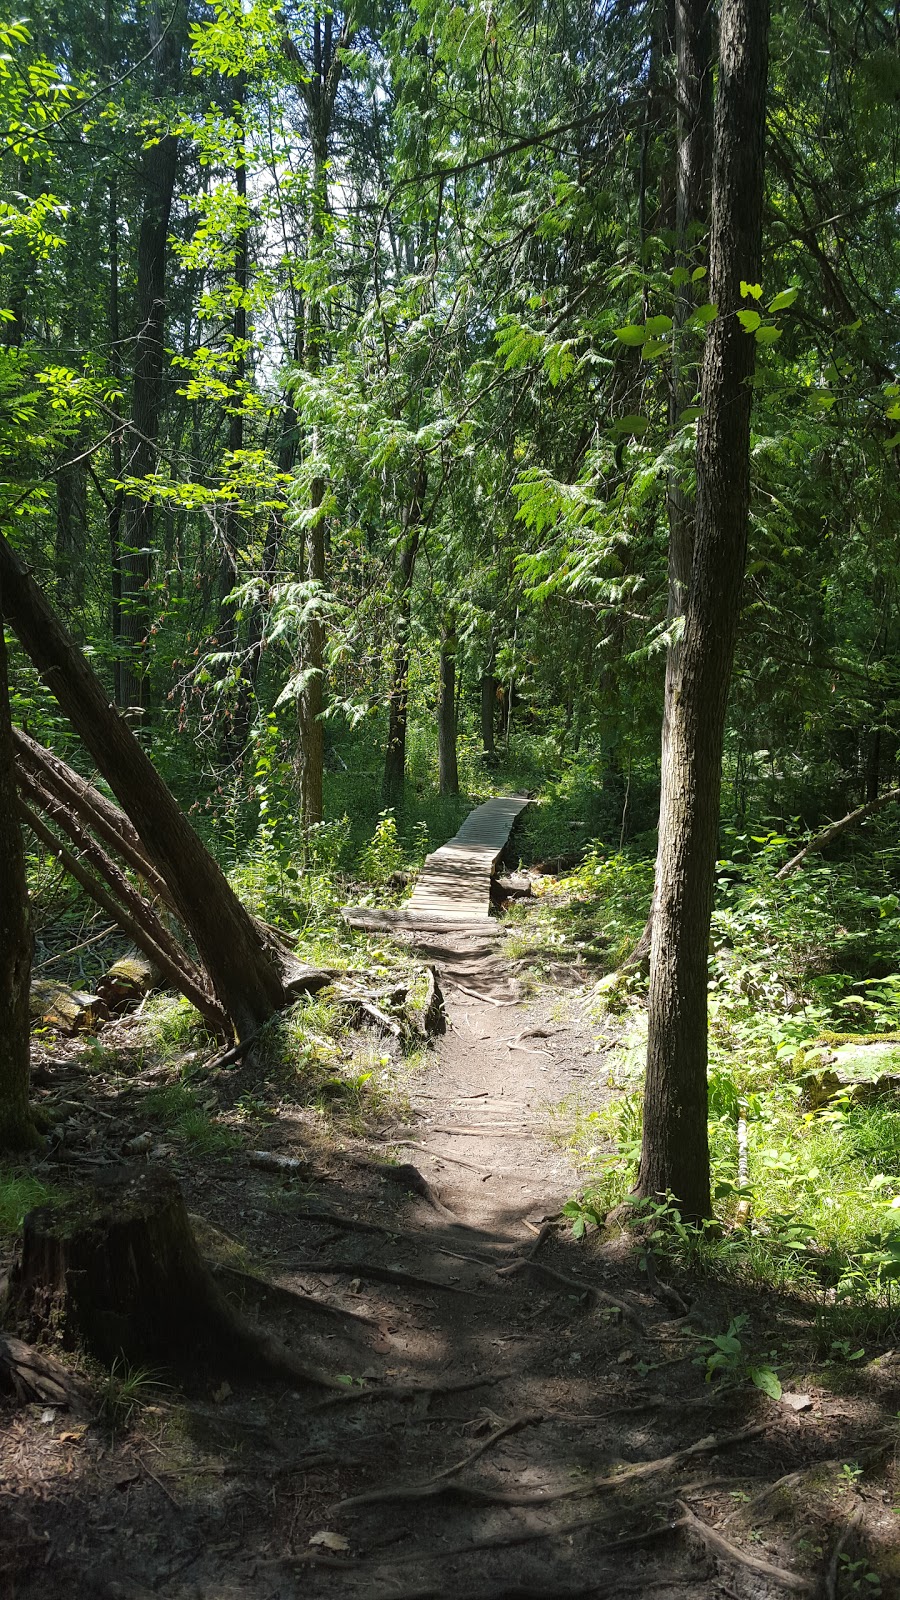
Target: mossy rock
<point>864,1066</point>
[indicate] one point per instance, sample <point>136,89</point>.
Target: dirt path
<point>520,1416</point>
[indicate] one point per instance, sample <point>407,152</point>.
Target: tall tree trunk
<point>693,50</point>
<point>227,630</point>
<point>398,702</point>
<point>243,974</point>
<point>320,93</point>
<point>17,1129</point>
<point>157,184</point>
<point>117,503</point>
<point>448,768</point>
<point>488,715</point>
<point>675,1150</point>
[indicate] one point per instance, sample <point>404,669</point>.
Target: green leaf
<point>631,424</point>
<point>698,274</point>
<point>654,347</point>
<point>783,300</point>
<point>656,326</point>
<point>680,276</point>
<point>749,320</point>
<point>631,334</point>
<point>767,1380</point>
<point>751,291</point>
<point>703,315</point>
<point>768,335</point>
<point>689,414</point>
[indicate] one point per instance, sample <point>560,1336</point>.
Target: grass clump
<point>19,1194</point>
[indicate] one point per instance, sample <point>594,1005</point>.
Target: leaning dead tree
<point>243,972</point>
<point>821,841</point>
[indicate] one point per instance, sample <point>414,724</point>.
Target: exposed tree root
<point>439,1155</point>
<point>571,1283</point>
<point>434,1487</point>
<point>366,1269</point>
<point>291,1297</point>
<point>408,1391</point>
<point>723,1547</point>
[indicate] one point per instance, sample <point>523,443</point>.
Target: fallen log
<point>65,1009</point>
<point>115,1270</point>
<point>37,1378</point>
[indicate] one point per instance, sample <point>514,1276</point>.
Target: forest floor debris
<point>473,1417</point>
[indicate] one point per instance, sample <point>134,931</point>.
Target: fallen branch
<point>834,829</point>
<point>723,1547</point>
<point>35,1377</point>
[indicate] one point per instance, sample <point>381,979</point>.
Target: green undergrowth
<point>20,1192</point>
<point>314,1055</point>
<point>814,957</point>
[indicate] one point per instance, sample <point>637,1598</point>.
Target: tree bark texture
<point>17,1128</point>
<point>157,183</point>
<point>448,766</point>
<point>245,978</point>
<point>675,1151</point>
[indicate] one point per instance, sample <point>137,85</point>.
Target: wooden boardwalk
<point>454,885</point>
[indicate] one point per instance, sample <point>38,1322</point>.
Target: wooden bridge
<point>454,886</point>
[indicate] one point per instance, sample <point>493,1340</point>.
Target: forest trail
<point>519,1415</point>
<point>453,888</point>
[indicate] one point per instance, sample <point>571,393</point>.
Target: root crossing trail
<point>518,1416</point>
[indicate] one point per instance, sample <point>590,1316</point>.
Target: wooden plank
<point>454,885</point>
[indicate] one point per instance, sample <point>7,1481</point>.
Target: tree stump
<point>115,1270</point>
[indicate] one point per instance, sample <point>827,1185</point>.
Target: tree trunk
<point>116,1271</point>
<point>311,702</point>
<point>398,703</point>
<point>227,628</point>
<point>116,504</point>
<point>675,1151</point>
<point>448,769</point>
<point>488,713</point>
<point>245,978</point>
<point>320,93</point>
<point>112,891</point>
<point>105,819</point>
<point>17,1128</point>
<point>157,185</point>
<point>693,48</point>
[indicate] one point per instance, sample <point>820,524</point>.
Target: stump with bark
<point>115,1271</point>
